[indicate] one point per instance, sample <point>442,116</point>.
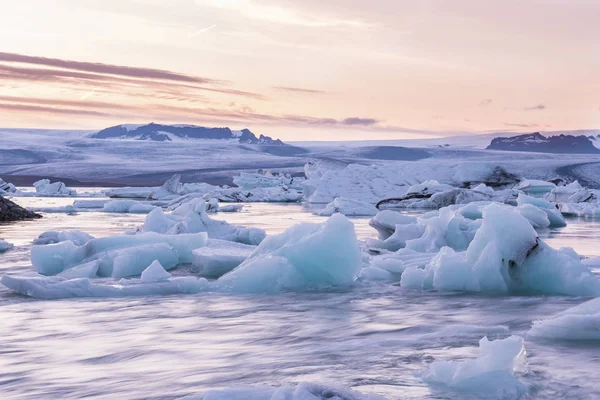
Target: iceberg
<point>191,217</point>
<point>348,207</point>
<point>266,178</point>
<point>554,215</point>
<point>505,255</point>
<point>305,256</point>
<point>493,374</point>
<point>127,206</point>
<point>77,237</point>
<point>119,256</point>
<point>431,194</point>
<point>44,188</point>
<point>535,187</point>
<point>5,246</point>
<point>219,257</point>
<point>581,322</point>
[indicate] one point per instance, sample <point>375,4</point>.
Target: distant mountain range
<point>537,142</point>
<point>168,133</point>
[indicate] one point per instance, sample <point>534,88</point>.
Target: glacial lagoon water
<point>375,338</point>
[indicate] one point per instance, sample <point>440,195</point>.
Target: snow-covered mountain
<point>168,133</point>
<point>537,142</point>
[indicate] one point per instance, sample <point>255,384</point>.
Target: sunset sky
<point>303,69</point>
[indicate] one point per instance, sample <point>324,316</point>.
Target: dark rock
<point>537,142</point>
<point>10,211</point>
<point>166,133</point>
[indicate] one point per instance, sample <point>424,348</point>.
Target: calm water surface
<point>375,338</point>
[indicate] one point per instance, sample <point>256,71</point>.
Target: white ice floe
<point>119,256</point>
<point>505,255</point>
<point>58,287</point>
<point>302,391</point>
<point>493,374</point>
<point>304,256</point>
<point>191,217</point>
<point>581,322</point>
<point>264,179</point>
<point>348,207</point>
<point>219,257</point>
<point>535,187</point>
<point>77,237</point>
<point>127,206</point>
<point>368,184</point>
<point>45,188</point>
<point>5,246</point>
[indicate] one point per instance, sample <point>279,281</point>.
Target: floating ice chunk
<point>127,206</point>
<point>535,187</point>
<point>132,261</point>
<point>191,217</point>
<point>155,272</point>
<point>571,193</point>
<point>578,323</point>
<point>68,209</point>
<point>580,209</point>
<point>219,257</point>
<point>5,246</point>
<point>304,256</point>
<point>506,255</point>
<point>413,278</point>
<point>56,287</point>
<point>536,216</point>
<point>492,373</point>
<point>385,222</point>
<point>77,237</point>
<point>87,270</point>
<point>348,207</point>
<point>448,228</point>
<point>375,274</point>
<point>554,215</point>
<point>122,249</point>
<point>43,187</point>
<point>428,188</point>
<point>277,194</point>
<point>303,391</point>
<point>131,192</point>
<point>230,208</point>
<point>264,179</point>
<point>401,235</point>
<point>89,204</point>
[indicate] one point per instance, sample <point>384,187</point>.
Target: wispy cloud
<point>485,102</point>
<point>118,83</point>
<point>359,121</point>
<point>538,107</point>
<point>299,90</point>
<point>521,125</point>
<point>99,68</point>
